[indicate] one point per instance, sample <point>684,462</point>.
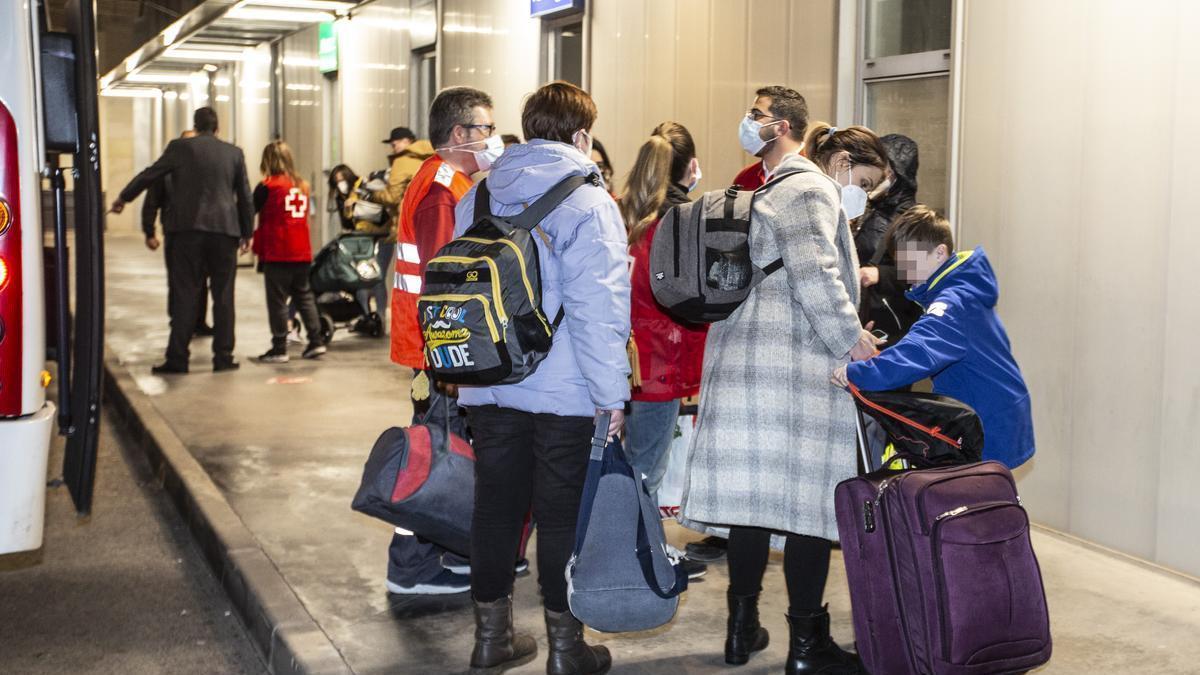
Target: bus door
<point>69,96</point>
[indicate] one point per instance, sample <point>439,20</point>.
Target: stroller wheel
<point>326,328</point>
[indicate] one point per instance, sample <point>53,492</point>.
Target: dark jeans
<point>522,459</point>
<point>202,306</point>
<point>805,566</point>
<point>194,257</point>
<point>289,280</point>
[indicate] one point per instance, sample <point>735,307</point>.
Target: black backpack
<point>481,306</point>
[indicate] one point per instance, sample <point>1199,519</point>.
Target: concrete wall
<point>493,46</point>
<point>1078,159</point>
<point>698,62</point>
<point>374,85</point>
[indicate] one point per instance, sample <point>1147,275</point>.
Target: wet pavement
<point>286,443</point>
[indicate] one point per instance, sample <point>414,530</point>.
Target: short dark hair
<point>787,104</point>
<point>204,120</point>
<point>556,111</point>
<point>454,107</point>
<point>923,227</point>
<point>510,139</point>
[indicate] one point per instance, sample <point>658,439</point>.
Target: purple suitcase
<point>943,578</point>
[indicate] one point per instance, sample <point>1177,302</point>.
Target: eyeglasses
<point>757,115</point>
<point>489,128</point>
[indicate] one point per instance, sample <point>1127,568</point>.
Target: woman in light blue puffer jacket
<point>532,438</point>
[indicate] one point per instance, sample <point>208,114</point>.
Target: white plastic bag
<point>670,492</point>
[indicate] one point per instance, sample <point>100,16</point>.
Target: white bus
<point>47,110</point>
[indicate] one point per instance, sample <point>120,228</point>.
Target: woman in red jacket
<point>669,354</point>
<point>284,253</point>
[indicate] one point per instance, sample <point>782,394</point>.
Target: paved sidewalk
<point>285,446</point>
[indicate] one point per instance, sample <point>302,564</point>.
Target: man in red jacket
<point>462,132</point>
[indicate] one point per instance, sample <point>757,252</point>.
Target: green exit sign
<point>327,47</point>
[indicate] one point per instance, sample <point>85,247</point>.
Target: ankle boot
<point>743,633</point>
<point>497,648</point>
<point>569,654</point>
<point>811,650</point>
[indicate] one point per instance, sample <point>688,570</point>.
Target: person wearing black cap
<point>407,155</point>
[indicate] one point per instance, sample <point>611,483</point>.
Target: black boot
<point>743,633</point>
<point>812,651</point>
<point>569,654</point>
<point>497,648</point>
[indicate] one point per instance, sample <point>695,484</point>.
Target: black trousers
<point>805,566</point>
<point>290,280</point>
<point>194,258</point>
<point>522,459</point>
<point>202,301</point>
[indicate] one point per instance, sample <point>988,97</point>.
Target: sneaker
<point>222,366</point>
<point>314,350</point>
<point>707,550</point>
<point>445,583</point>
<point>274,355</point>
<point>463,566</point>
<point>694,569</point>
<point>294,336</point>
<point>456,563</point>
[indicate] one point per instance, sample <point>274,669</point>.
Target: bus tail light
<point>11,291</point>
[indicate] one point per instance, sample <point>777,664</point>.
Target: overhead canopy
<point>216,32</point>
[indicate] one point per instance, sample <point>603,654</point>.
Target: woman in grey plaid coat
<point>774,435</point>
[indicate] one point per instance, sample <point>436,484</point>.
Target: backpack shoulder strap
<point>778,263</point>
<point>537,212</point>
<point>483,201</point>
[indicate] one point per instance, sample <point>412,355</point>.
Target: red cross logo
<point>296,203</point>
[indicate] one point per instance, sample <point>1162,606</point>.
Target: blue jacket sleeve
<point>936,340</point>
<point>595,286</point>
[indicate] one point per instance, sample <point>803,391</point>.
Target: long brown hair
<point>824,141</point>
<point>277,160</point>
<point>662,159</point>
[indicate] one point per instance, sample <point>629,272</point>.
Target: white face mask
<point>585,149</point>
<point>493,147</point>
<point>854,198</point>
<point>343,187</point>
<point>748,135</point>
<point>696,175</point>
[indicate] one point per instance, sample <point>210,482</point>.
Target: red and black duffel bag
<point>421,478</point>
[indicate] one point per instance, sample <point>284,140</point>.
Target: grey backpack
<point>619,577</point>
<point>700,267</point>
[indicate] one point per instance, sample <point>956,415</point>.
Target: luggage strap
<point>645,556</point>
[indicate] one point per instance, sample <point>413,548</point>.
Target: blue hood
<point>526,171</point>
<point>968,273</point>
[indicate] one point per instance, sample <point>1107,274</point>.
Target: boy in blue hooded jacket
<point>959,340</point>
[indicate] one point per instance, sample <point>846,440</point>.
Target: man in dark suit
<point>212,215</point>
<point>157,205</point>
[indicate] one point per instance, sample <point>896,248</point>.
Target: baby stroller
<point>341,270</point>
<point>902,428</point>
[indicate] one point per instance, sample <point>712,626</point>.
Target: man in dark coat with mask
<point>883,298</point>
